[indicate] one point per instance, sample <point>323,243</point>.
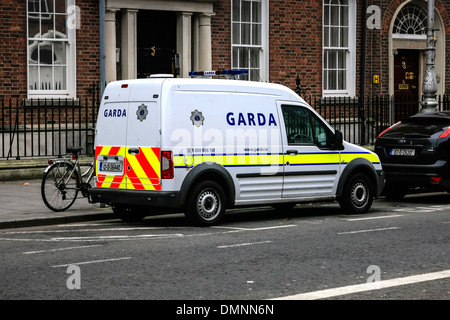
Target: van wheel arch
<point>357,186</point>
<point>354,167</point>
<point>209,172</point>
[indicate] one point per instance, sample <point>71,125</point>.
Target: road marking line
<point>370,218</point>
<point>255,229</point>
<point>120,237</point>
<point>61,249</point>
<point>89,262</point>
<point>368,230</point>
<point>242,244</point>
<point>82,230</point>
<point>333,292</point>
<point>145,236</point>
<point>232,228</point>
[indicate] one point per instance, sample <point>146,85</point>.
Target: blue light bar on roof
<point>233,72</point>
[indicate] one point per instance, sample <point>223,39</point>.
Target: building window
<point>339,34</point>
<point>411,22</point>
<point>249,38</point>
<point>51,49</point>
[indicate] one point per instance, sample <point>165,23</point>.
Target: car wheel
<point>206,204</point>
<point>357,196</point>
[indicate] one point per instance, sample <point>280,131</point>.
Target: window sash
<point>48,47</point>
<point>336,46</point>
<point>247,37</point>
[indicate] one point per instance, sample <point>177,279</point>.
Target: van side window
<point>304,128</point>
<point>323,136</point>
<point>298,125</point>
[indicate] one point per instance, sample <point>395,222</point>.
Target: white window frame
<point>350,54</point>
<point>256,72</point>
<point>70,54</point>
<point>412,10</point>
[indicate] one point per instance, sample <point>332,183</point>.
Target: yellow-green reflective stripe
<point>274,159</point>
<point>347,157</point>
<point>229,160</point>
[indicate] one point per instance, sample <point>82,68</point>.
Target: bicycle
<point>63,179</point>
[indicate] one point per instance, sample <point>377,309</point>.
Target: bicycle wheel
<point>60,186</point>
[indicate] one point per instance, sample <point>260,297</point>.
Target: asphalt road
<point>311,252</point>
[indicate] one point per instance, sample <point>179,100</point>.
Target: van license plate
<point>403,152</point>
<point>110,166</point>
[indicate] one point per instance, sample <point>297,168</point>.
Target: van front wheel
<point>357,196</point>
<point>206,204</point>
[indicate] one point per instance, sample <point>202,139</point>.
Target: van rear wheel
<point>206,204</point>
<point>358,194</point>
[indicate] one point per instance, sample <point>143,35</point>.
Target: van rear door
<point>110,138</point>
<point>143,141</point>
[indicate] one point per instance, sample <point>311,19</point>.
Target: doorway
<point>406,83</point>
<point>156,43</point>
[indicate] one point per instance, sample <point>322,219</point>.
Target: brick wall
<point>221,35</point>
<point>295,42</point>
<point>88,47</point>
<point>13,48</point>
<point>13,55</point>
<point>295,38</point>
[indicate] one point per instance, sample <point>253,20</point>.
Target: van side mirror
<point>338,140</point>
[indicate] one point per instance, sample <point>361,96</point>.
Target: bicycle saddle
<point>74,150</point>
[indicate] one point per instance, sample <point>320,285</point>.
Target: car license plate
<point>111,166</point>
<point>403,152</point>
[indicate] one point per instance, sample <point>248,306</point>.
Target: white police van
<point>206,145</point>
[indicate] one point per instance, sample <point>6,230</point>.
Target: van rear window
<point>419,126</point>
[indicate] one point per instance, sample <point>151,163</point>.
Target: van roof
<point>217,85</point>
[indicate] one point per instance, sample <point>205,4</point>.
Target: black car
<point>415,154</point>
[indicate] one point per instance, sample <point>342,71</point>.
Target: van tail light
<point>166,165</point>
<point>446,133</point>
<point>95,161</point>
<point>389,129</point>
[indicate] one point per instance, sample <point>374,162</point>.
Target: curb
<point>56,220</point>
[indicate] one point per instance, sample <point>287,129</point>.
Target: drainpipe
<point>363,74</point>
<point>102,46</point>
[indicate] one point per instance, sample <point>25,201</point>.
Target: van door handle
<point>133,151</point>
<point>292,152</point>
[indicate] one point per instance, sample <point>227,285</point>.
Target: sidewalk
<point>21,205</point>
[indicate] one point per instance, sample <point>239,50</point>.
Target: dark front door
<point>156,42</point>
<point>406,83</point>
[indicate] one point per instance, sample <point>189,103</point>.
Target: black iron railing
<point>46,127</point>
<point>362,121</point>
